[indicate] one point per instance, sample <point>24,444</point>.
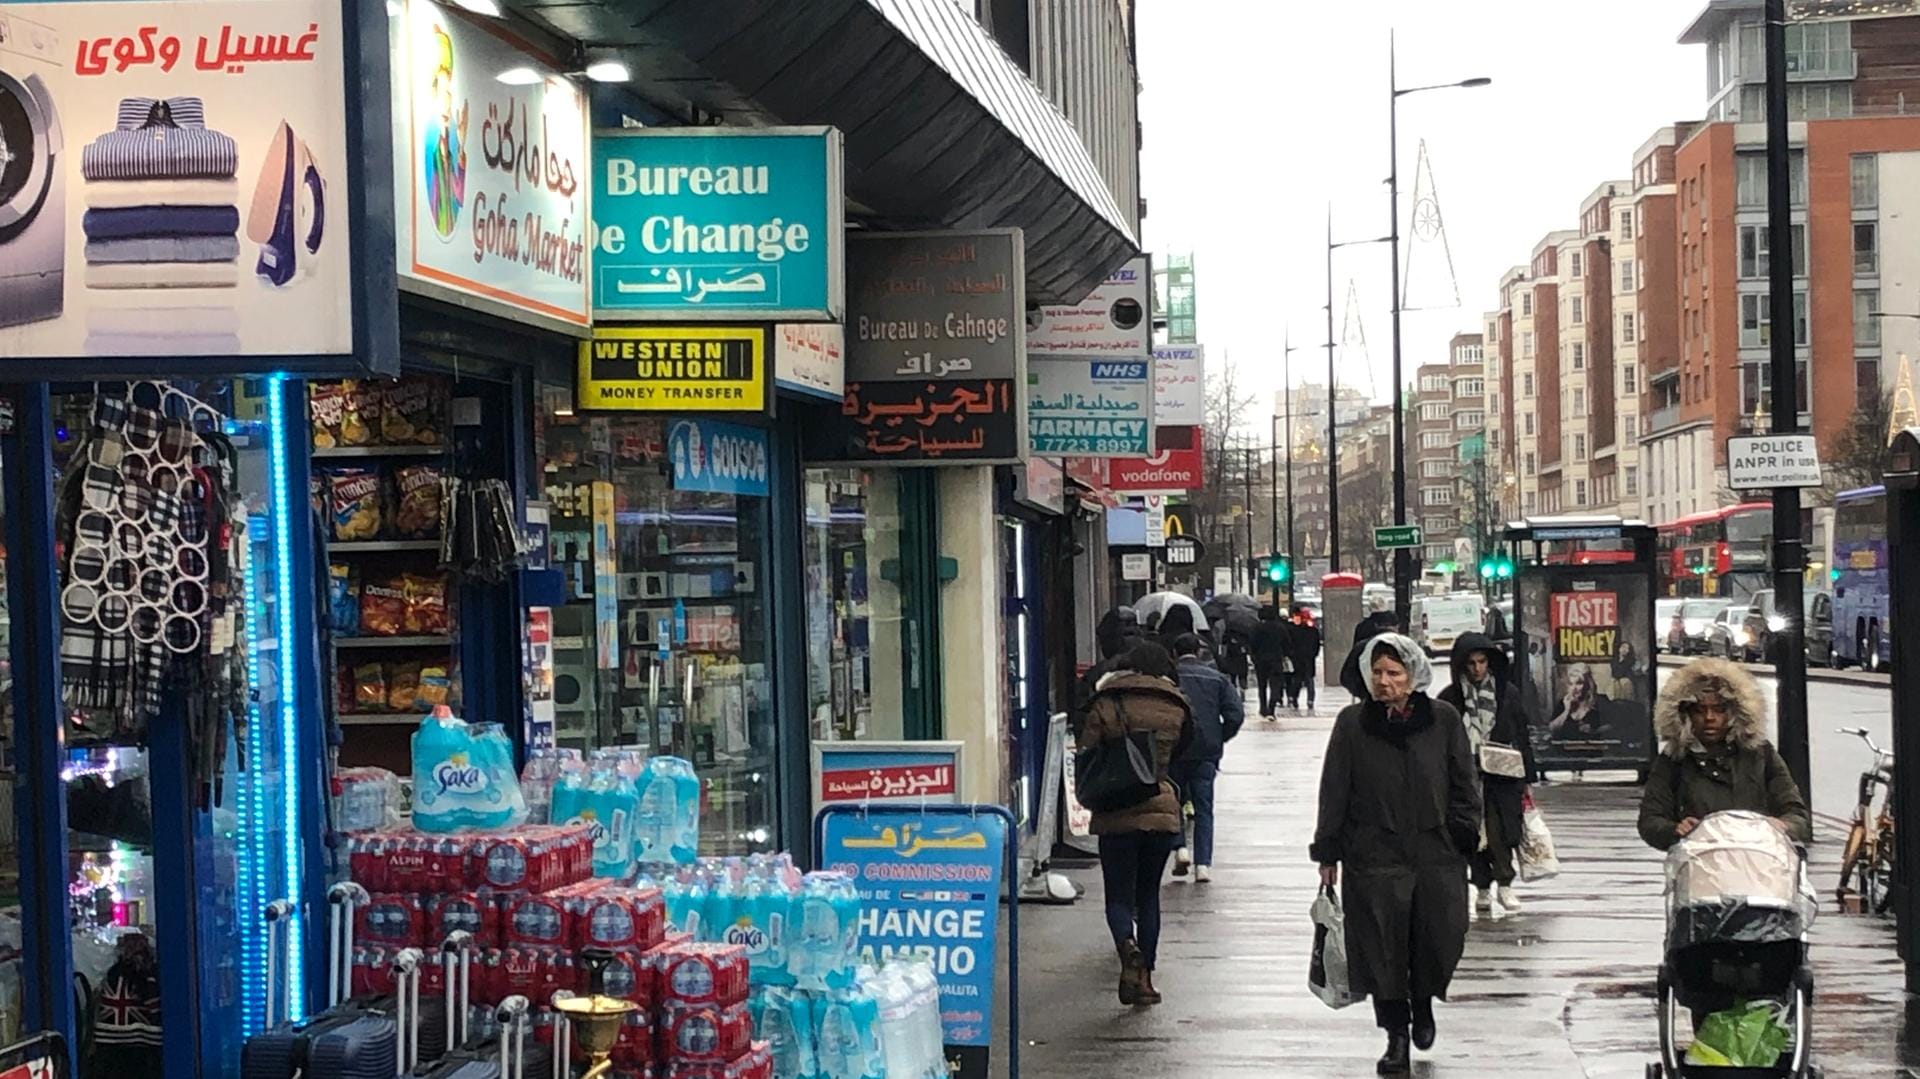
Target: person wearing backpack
<point>1139,830</point>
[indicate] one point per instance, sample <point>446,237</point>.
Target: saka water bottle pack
<point>603,799</point>
<point>463,776</point>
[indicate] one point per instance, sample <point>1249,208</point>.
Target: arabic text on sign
<point>231,55</point>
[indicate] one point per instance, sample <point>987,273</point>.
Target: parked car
<point>1762,621</point>
<point>1819,628</point>
<point>1664,611</point>
<point>1727,633</point>
<point>1688,628</point>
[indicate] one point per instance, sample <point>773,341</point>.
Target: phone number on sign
<point>1075,447</point>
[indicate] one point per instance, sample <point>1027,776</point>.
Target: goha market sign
<point>718,223</point>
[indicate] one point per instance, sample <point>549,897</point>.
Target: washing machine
<point>33,198</point>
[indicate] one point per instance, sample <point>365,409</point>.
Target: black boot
<point>1395,1061</point>
<point>1423,1026</point>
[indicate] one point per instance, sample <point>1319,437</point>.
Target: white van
<point>1438,621</point>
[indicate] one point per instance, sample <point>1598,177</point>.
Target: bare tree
<point>1224,467</point>
<point>1861,453</point>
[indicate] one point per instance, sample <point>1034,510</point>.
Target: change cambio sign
<point>173,180</point>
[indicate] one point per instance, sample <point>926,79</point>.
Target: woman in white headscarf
<point>1400,811</point>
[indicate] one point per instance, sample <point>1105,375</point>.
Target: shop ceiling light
<point>608,71</point>
<point>520,76</point>
<point>481,7</point>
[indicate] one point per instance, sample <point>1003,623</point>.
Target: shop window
<point>380,451</point>
<point>856,609</point>
<point>152,738</point>
<point>663,641</point>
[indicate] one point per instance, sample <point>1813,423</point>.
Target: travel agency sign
<point>718,223</point>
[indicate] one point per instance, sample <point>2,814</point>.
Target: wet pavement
<point>1563,988</point>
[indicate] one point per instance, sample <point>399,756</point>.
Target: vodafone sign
<point>1168,470</point>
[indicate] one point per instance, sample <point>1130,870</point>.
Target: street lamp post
<point>1402,557</point>
<point>1333,404</point>
<point>1789,554</point>
<point>1286,378</point>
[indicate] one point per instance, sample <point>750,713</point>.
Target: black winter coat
<point>1303,646</point>
<point>1399,809</point>
<point>1272,643</point>
<point>1502,796</point>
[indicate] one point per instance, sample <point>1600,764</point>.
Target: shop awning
<point>942,129</point>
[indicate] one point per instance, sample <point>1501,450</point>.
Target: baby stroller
<point>1738,909</point>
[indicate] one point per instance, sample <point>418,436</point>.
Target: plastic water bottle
<point>653,818</point>
<point>462,781</point>
<point>848,1035</point>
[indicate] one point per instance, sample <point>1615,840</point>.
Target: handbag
<point>1537,858</point>
<point>1503,761</point>
<point>1116,772</point>
<point>1327,973</point>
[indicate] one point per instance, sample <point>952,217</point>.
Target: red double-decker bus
<point>1726,552</point>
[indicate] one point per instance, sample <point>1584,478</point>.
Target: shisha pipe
<point>595,1018</point>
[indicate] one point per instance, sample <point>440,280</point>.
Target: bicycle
<point>1866,865</point>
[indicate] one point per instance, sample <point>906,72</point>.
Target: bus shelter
<point>1584,640</point>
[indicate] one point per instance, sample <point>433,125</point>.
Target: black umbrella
<point>1239,612</point>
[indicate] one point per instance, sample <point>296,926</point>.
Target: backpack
<point>1116,772</point>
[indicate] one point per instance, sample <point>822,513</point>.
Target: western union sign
<point>675,369</point>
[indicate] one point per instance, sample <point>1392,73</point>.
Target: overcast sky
<point>1259,113</point>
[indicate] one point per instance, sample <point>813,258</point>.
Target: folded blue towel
<point>165,249</point>
<point>160,221</point>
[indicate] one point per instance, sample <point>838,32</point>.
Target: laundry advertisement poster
<point>930,885</point>
<point>490,165</point>
<point>173,180</point>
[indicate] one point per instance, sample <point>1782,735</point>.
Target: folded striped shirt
<point>126,194</point>
<point>165,249</point>
<point>164,344</point>
<point>160,221</point>
<point>162,275</point>
<point>159,139</point>
<point>171,318</point>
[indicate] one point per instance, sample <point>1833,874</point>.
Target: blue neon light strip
<point>284,503</point>
<point>253,819</point>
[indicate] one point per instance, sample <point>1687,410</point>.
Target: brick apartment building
<point>1449,406</point>
<point>1627,351</point>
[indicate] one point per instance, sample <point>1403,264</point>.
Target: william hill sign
<point>675,369</point>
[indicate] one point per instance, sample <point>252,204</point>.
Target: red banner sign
<point>935,781</point>
<point>1168,470</point>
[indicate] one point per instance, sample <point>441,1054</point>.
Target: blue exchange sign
<point>930,886</point>
<point>718,458</point>
<point>718,223</point>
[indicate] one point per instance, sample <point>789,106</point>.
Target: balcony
<point>1660,419</point>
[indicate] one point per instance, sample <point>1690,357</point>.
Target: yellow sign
<point>675,369</point>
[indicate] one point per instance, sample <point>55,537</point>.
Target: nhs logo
<point>1131,372</point>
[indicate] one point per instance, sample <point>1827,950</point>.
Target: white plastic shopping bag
<point>1537,859</point>
<point>1327,976</point>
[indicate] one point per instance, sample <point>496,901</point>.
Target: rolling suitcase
<point>348,1040</point>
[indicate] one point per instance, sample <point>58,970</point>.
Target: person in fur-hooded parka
<point>1714,756</point>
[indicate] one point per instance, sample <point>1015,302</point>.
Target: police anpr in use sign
<point>1755,462</point>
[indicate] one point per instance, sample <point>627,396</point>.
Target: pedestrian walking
<point>1117,632</point>
<point>1218,712</point>
<point>1399,811</point>
<point>1489,704</point>
<point>1714,756</point>
<point>1234,660</point>
<point>1177,620</point>
<point>1140,694</point>
<point>1272,645</point>
<point>1303,652</point>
